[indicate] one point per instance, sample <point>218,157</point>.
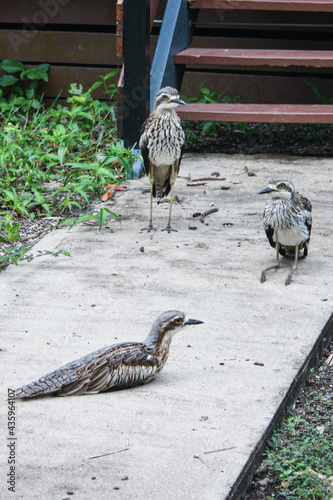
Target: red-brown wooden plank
<point>257,89</point>
<point>255,57</point>
<point>294,5</point>
<point>258,113</point>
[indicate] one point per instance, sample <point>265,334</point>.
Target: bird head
<point>167,324</point>
<point>281,189</point>
<point>167,99</point>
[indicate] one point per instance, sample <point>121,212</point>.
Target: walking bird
<point>115,367</point>
<point>162,144</point>
<point>287,222</point>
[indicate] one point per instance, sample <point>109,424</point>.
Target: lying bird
<point>287,222</point>
<point>114,367</point>
<point>162,144</point>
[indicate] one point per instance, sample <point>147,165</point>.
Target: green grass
<point>300,455</point>
<point>54,161</point>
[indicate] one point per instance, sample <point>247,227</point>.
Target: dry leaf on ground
<point>109,191</point>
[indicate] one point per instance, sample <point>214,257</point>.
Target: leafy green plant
<point>101,217</point>
<point>319,98</point>
<point>55,161</point>
<point>212,128</point>
<point>302,458</point>
<point>9,228</point>
<point>14,255</point>
<point>22,85</point>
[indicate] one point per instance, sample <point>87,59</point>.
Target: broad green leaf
<point>37,74</point>
<point>83,218</point>
<point>11,66</point>
<point>75,89</point>
<point>7,80</point>
<point>109,159</point>
<point>30,93</point>
<point>86,115</point>
<point>61,153</point>
<point>94,86</point>
<point>43,66</point>
<point>38,197</point>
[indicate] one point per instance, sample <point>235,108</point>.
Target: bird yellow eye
<point>178,321</point>
<point>282,185</point>
<point>165,97</point>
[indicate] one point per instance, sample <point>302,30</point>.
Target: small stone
<point>93,305</point>
<point>224,188</point>
<point>193,228</point>
<point>116,488</point>
<point>211,204</point>
<point>251,174</point>
<point>323,299</point>
<point>196,214</point>
<point>142,249</point>
<point>70,492</point>
<point>93,477</point>
<point>124,478</point>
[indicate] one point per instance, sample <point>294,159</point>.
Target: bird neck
<point>159,339</point>
<point>167,112</point>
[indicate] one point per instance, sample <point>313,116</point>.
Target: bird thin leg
<point>172,181</point>
<point>290,275</point>
<point>276,266</point>
<point>152,180</point>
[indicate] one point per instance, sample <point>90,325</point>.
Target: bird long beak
<point>267,190</point>
<point>178,101</point>
<point>193,322</point>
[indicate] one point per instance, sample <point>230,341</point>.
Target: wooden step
<point>286,5</point>
<point>255,57</point>
<point>257,113</point>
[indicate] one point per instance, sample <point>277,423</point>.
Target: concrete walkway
<point>224,380</point>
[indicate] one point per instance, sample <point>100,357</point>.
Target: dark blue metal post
<point>175,35</point>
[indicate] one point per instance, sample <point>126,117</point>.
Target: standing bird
<point>287,222</point>
<point>162,144</point>
<point>114,367</point>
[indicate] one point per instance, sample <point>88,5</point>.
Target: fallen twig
<point>197,184</point>
<point>110,452</point>
<point>209,179</point>
<point>211,211</point>
<point>329,360</point>
<point>221,449</point>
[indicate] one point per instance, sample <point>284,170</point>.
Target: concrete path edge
<point>244,479</point>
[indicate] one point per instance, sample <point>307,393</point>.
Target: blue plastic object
<point>138,168</point>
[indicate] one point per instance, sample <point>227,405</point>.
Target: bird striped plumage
<point>114,367</point>
<point>287,222</point>
<point>162,144</point>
